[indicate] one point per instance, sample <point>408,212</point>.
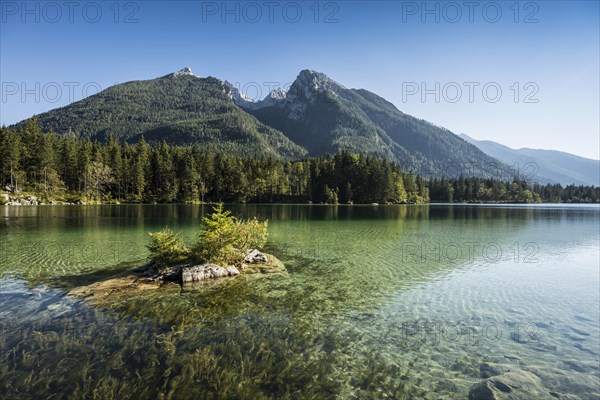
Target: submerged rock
<point>198,273</point>
<point>482,391</point>
<point>488,370</point>
<point>525,382</point>
<point>514,384</point>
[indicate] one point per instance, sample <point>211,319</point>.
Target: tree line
<point>480,190</point>
<point>63,166</point>
<point>80,170</point>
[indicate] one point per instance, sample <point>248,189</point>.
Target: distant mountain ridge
<point>317,115</point>
<point>323,116</point>
<point>545,166</point>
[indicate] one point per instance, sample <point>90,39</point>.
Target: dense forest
<point>84,171</point>
<point>478,190</point>
<point>77,170</point>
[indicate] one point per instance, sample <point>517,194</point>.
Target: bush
<point>167,249</point>
<point>251,234</point>
<point>223,239</point>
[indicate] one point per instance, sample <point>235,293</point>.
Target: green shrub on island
<point>223,240</point>
<point>167,249</point>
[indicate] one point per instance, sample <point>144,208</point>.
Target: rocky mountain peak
<point>238,97</point>
<point>186,71</point>
<point>309,83</point>
<point>277,94</point>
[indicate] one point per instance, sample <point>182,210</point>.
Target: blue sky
<point>444,62</point>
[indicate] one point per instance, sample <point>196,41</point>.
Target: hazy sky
<point>525,74</point>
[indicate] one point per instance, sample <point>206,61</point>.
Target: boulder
<point>488,370</point>
<point>13,201</point>
<point>233,271</point>
<point>198,273</point>
<point>254,256</point>
<point>482,391</point>
<point>509,382</point>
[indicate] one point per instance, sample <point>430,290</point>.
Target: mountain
<point>180,108</point>
<point>325,117</point>
<point>317,115</point>
<point>545,166</point>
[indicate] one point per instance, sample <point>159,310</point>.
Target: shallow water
<point>378,302</point>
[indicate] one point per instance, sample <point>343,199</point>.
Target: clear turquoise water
<point>378,302</point>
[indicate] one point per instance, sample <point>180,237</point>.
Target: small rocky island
<point>226,248</point>
<point>149,277</point>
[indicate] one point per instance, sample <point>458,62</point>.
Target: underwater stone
<point>482,391</point>
<point>515,384</point>
<point>490,369</point>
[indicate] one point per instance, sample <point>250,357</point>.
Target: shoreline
<point>33,199</point>
<point>301,204</point>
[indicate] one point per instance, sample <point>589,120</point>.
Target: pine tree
<point>140,170</point>
<point>84,159</point>
<point>113,158</point>
<point>187,174</point>
<point>67,163</point>
<point>10,155</point>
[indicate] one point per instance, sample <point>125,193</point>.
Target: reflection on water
<point>387,301</point>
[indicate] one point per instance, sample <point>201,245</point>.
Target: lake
<point>414,301</point>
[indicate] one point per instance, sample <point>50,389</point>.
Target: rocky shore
<point>5,199</point>
<point>26,200</point>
